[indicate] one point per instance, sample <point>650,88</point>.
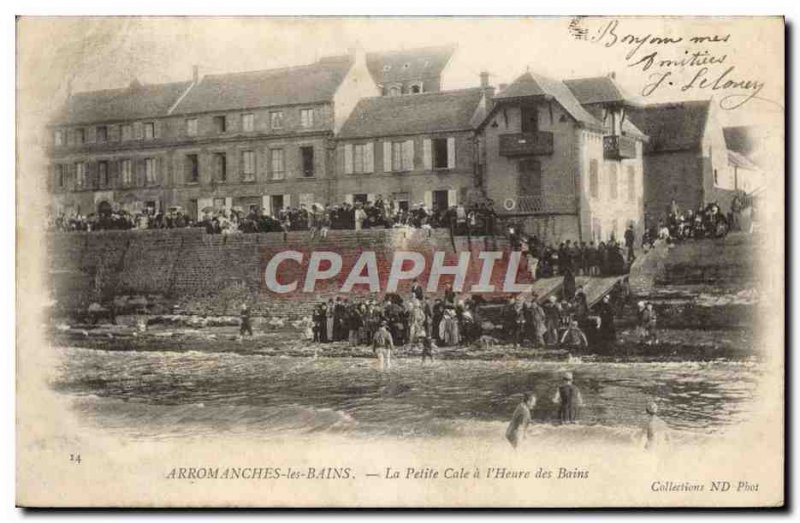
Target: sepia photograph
<point>361,262</point>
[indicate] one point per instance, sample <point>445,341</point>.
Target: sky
<point>98,53</point>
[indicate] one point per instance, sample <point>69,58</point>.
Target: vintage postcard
<point>400,262</point>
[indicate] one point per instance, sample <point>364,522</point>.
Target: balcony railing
<point>545,204</point>
<point>526,144</point>
<point>617,147</point>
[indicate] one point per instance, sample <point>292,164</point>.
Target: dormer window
<point>394,91</point>
<point>405,66</point>
<point>386,68</point>
<point>417,88</point>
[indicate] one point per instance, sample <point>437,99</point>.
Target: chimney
<point>488,90</point>
<point>195,73</point>
<point>357,54</point>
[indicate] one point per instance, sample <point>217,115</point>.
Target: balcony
<point>616,147</point>
<point>539,143</point>
<point>545,204</point>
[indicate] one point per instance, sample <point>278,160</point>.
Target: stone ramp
<point>545,287</point>
<point>597,287</point>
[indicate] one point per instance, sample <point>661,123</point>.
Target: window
<point>218,203</point>
<point>594,187</point>
<point>127,172</point>
<point>716,176</point>
<point>612,180</point>
<point>248,123</point>
<point>358,159</point>
<point>394,91</point>
<point>307,158</point>
<point>59,175</point>
<point>127,132</point>
<point>417,88</point>
<point>248,166</point>
<point>276,201</point>
<point>403,156</point>
<point>530,118</point>
<point>80,136</point>
<point>631,184</point>
<point>220,167</point>
<point>101,134</point>
<point>276,120</point>
<point>149,130</point>
<point>276,163</point>
<point>439,153</point>
<point>191,126</point>
<point>150,171</point>
<point>192,168</point>
<point>102,173</point>
<point>220,124</point>
<point>59,137</point>
<point>80,174</point>
<point>441,201</point>
<point>306,118</point>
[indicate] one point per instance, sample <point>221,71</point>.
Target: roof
<point>409,64</point>
<point>536,85</point>
<point>741,161</point>
<point>412,114</point>
<point>303,84</point>
<point>597,90</point>
<point>134,102</point>
<point>672,126</point>
<point>740,139</point>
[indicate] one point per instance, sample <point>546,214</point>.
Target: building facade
<point>414,149</point>
<point>253,139</point>
<point>566,169</point>
<point>687,158</point>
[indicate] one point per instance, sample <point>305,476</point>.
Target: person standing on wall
<point>630,240</point>
<point>244,326</point>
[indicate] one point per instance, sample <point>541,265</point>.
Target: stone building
<point>686,158</point>
<point>410,71</point>
<point>109,148</point>
<point>563,158</point>
<point>258,138</point>
<point>743,157</point>
<point>414,149</point>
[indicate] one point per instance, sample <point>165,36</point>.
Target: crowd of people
<point>707,221</point>
<point>478,218</point>
<point>576,258</point>
<point>444,321</point>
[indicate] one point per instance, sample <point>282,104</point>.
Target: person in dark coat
<point>568,287</point>
<point>630,240</point>
<point>569,399</point>
<point>245,327</point>
<point>608,333</point>
<point>417,291</point>
<point>340,330</point>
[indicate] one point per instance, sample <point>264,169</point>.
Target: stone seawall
<point>209,274</point>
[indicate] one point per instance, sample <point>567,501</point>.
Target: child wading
<point>569,399</point>
<point>520,420</point>
<point>656,431</point>
<point>383,345</point>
